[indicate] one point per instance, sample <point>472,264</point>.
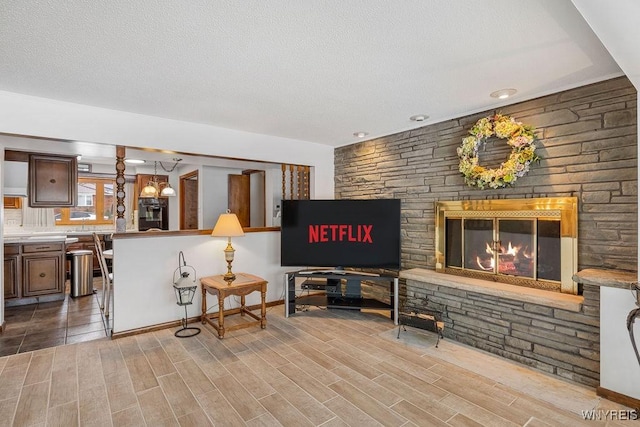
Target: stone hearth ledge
<point>610,278</point>
<point>502,290</point>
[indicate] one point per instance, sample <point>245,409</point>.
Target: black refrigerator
<point>153,213</point>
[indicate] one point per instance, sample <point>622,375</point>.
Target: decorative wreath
<point>521,139</point>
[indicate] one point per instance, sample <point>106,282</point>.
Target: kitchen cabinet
<point>53,181</point>
<point>11,271</point>
<point>12,203</point>
<point>42,269</point>
<point>33,272</point>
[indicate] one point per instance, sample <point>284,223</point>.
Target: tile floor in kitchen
<point>37,326</point>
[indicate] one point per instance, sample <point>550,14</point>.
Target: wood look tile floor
<point>38,326</point>
<point>317,368</point>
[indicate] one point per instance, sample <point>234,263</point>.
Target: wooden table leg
<point>204,305</point>
<point>220,316</point>
<point>263,308</point>
<point>242,303</point>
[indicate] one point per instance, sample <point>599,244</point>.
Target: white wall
<point>616,25</point>
<point>174,202</point>
<point>100,130</point>
<point>257,210</point>
<point>215,193</point>
<point>145,296</point>
<point>27,115</point>
<point>273,186</point>
<point>619,368</point>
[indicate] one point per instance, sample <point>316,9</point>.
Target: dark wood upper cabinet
<point>53,181</point>
<point>12,202</point>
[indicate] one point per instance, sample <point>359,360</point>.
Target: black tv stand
<point>339,289</point>
<point>335,271</point>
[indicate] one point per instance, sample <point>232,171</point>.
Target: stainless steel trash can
<point>81,272</point>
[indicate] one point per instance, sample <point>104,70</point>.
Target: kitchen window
<point>96,204</point>
<point>86,199</point>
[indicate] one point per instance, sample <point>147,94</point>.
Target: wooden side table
<point>243,285</point>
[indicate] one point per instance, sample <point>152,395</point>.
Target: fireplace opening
<point>517,247</point>
<point>530,242</point>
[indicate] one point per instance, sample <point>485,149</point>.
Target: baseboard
<point>176,323</point>
<point>614,396</point>
<point>153,328</point>
<point>15,302</point>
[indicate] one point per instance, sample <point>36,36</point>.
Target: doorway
<point>247,197</point>
<point>189,201</point>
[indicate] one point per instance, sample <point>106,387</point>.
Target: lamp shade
<point>149,190</point>
<point>227,226</point>
<point>168,191</point>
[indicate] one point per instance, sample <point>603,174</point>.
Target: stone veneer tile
<point>578,129</point>
<point>502,290</point>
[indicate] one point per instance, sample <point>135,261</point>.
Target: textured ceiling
<point>308,70</point>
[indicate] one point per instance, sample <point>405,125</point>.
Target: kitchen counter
<point>40,239</point>
<point>70,236</point>
<point>24,233</point>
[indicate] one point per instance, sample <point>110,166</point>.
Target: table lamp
<point>228,226</point>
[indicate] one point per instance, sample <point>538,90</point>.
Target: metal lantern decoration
<point>185,289</point>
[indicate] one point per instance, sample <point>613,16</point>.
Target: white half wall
<point>619,368</point>
<point>143,270</point>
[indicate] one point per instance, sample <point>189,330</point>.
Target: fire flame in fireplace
<point>511,258</point>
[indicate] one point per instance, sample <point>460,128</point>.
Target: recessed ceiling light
<point>134,161</point>
<point>503,93</point>
<point>419,118</point>
<point>360,134</point>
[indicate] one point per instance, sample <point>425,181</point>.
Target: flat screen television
<point>341,233</point>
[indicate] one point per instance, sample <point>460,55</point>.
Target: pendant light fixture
<point>168,191</point>
<point>152,189</point>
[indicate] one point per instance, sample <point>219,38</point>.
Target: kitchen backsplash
<point>13,225</point>
<point>12,221</point>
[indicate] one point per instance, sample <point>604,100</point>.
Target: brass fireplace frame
<point>565,208</point>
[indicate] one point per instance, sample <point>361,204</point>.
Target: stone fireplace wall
<point>557,341</point>
<point>588,145</point>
